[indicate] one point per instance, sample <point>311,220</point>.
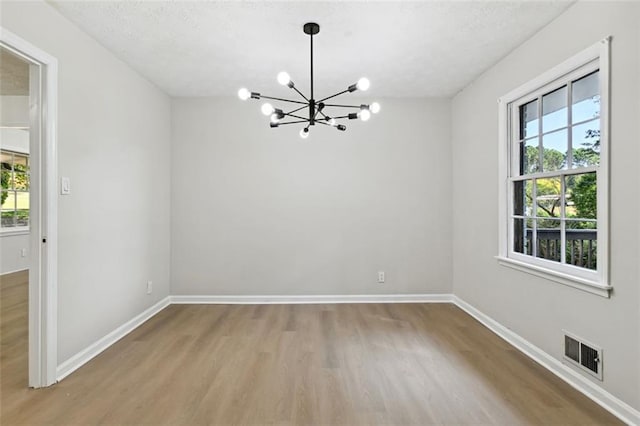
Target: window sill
<point>559,277</point>
<point>13,232</point>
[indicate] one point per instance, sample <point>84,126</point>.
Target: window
<point>14,169</point>
<point>553,173</point>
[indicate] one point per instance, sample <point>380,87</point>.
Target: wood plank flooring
<point>345,364</point>
<point>14,333</point>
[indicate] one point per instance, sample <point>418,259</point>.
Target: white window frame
<point>593,58</point>
<point>16,230</point>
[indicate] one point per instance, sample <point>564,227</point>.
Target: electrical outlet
<point>380,276</point>
<point>149,287</point>
<point>23,252</point>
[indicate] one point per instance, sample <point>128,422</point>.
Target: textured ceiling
<point>410,49</point>
<point>14,74</point>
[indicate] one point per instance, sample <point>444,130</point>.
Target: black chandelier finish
<point>317,109</point>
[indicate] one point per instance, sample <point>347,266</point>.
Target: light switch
<point>65,186</point>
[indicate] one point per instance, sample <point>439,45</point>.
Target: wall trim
<point>93,350</point>
<point>13,272</point>
<point>310,299</point>
<point>597,394</point>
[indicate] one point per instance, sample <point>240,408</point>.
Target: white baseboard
<point>311,299</point>
<point>615,406</point>
<point>84,356</point>
<point>13,272</point>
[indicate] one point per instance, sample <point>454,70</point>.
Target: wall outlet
<point>380,276</point>
<point>23,252</point>
<point>149,287</point>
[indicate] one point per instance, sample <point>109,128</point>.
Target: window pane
<point>581,196</point>
<point>554,110</point>
<point>530,156</point>
<point>8,219</point>
<point>21,162</point>
<point>529,120</point>
<point>6,159</point>
<point>8,200</point>
<point>8,208</point>
<point>586,144</point>
<point>523,198</point>
<point>4,197</point>
<point>582,244</point>
<point>22,217</point>
<point>548,197</point>
<point>22,201</point>
<point>555,151</point>
<point>522,232</point>
<point>19,181</point>
<point>585,98</point>
<point>548,239</point>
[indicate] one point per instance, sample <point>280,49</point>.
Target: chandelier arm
<point>324,115</point>
<point>300,93</point>
<point>293,122</point>
<point>319,111</point>
<point>322,122</point>
<point>342,106</point>
<point>333,96</point>
<point>297,116</point>
<point>295,110</point>
<point>284,100</point>
<point>339,117</point>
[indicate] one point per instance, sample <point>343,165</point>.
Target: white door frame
<point>43,286</point>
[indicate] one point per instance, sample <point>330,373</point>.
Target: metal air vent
<point>586,356</point>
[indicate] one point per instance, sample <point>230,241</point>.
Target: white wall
<point>113,142</point>
<point>535,308</point>
<point>256,210</point>
<point>11,259</point>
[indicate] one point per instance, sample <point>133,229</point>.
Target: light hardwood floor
<point>294,364</point>
<point>14,345</point>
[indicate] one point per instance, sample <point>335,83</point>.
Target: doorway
<point>28,230</point>
<point>14,221</point>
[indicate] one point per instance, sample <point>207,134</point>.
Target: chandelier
<point>318,110</point>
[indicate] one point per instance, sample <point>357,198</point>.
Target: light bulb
<point>284,78</point>
<point>374,107</point>
<point>332,122</point>
<point>274,118</point>
<point>304,133</point>
<point>244,94</point>
<point>267,109</point>
<point>365,115</point>
<point>363,83</point>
